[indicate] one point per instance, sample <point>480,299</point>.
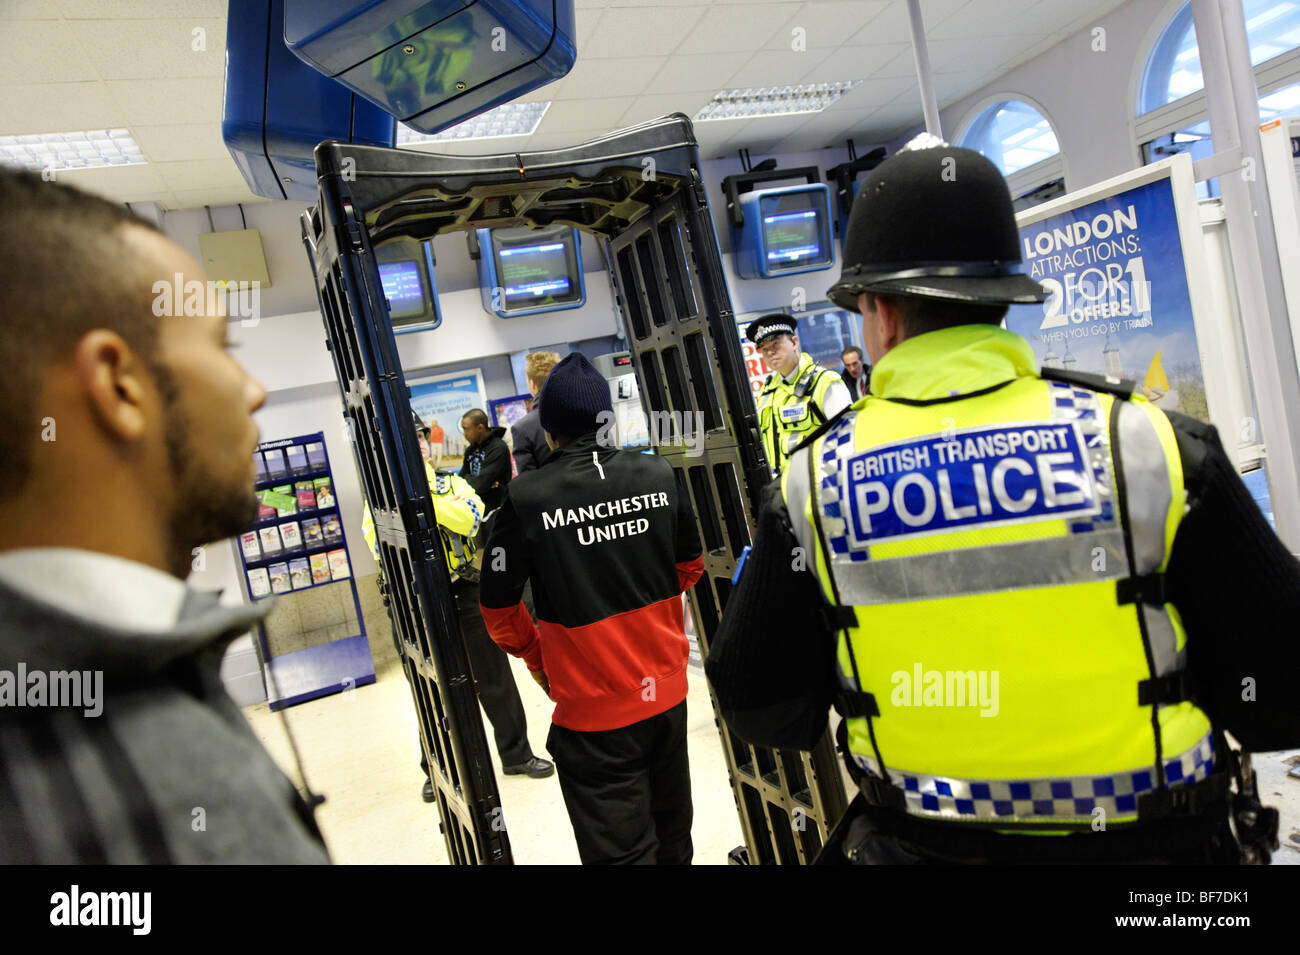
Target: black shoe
<point>536,767</point>
<point>428,791</point>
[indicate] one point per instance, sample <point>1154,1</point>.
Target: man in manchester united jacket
<point>609,545</point>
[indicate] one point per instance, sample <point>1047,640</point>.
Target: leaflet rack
<point>639,192</point>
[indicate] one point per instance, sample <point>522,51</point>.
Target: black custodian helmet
<point>934,222</point>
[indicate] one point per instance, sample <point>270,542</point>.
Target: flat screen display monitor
<point>525,271</point>
<point>403,288</point>
<point>410,289</point>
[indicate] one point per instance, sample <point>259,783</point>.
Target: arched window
<point>1172,115</point>
<point>1020,141</point>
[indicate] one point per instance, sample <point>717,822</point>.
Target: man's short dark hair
<point>476,416</point>
<point>852,349</point>
<point>920,315</point>
<point>64,271</point>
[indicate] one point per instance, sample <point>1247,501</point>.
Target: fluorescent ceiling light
<point>510,119</point>
<point>80,150</point>
<point>773,100</point>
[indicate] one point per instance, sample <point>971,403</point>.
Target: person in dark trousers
<point>487,459</point>
<point>977,523</point>
<point>856,374</point>
<point>134,752</point>
<point>531,449</point>
<point>609,545</point>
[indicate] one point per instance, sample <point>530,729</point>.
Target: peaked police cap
<point>934,222</point>
<point>777,323</point>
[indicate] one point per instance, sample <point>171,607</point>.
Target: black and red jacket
<point>610,545</point>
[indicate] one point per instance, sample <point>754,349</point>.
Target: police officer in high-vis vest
<point>798,396</point>
<point>1034,598</point>
<point>460,512</point>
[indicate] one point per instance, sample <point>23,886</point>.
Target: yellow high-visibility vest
<point>1001,540</point>
<point>459,512</point>
<point>790,411</point>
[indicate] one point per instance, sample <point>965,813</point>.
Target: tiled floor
<point>360,749</point>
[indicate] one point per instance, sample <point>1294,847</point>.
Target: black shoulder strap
<point>1119,387</point>
<point>822,428</point>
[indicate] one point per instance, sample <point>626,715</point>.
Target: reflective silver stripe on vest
<point>796,499</point>
<point>1072,799</point>
<point>1093,551</point>
<point>1148,497</point>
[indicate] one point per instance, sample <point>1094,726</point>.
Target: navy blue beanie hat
<point>573,398</point>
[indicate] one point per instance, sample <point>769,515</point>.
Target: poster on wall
<point>823,334</point>
<point>441,402</point>
<point>1120,299</point>
<point>506,411</point>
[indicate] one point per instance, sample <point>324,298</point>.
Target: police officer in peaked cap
<point>1032,596</point>
<point>798,396</point>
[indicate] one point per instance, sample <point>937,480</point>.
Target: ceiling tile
<point>37,51</point>
<point>726,28</point>
<point>585,22</point>
<point>1007,18</point>
<point>175,102</point>
<point>124,183</point>
<point>584,114</point>
<point>855,63</point>
<point>28,10</point>
<point>626,77</point>
<point>59,108</point>
<point>164,144</point>
<point>200,173</point>
<point>777,68</point>
<point>641,31</point>
<point>894,26</point>
<point>661,104</point>
<point>140,9</point>
<point>699,71</point>
<point>152,49</point>
<point>833,129</point>
<point>891,120</point>
<point>872,94</point>
<point>826,24</point>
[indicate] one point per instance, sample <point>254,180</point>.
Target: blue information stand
<point>327,668</point>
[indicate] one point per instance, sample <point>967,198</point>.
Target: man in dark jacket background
<point>531,449</point>
<point>487,459</point>
<point>610,545</point>
<point>856,374</point>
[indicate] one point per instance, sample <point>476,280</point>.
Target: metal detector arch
<point>639,192</point>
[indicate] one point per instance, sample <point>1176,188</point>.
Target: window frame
<point>1030,177</point>
<point>1271,75</point>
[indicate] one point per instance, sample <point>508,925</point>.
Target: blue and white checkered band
<point>441,484</point>
<point>771,328</point>
<point>1071,799</point>
<point>1080,407</point>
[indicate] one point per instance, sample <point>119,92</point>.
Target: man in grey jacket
<point>126,440</point>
